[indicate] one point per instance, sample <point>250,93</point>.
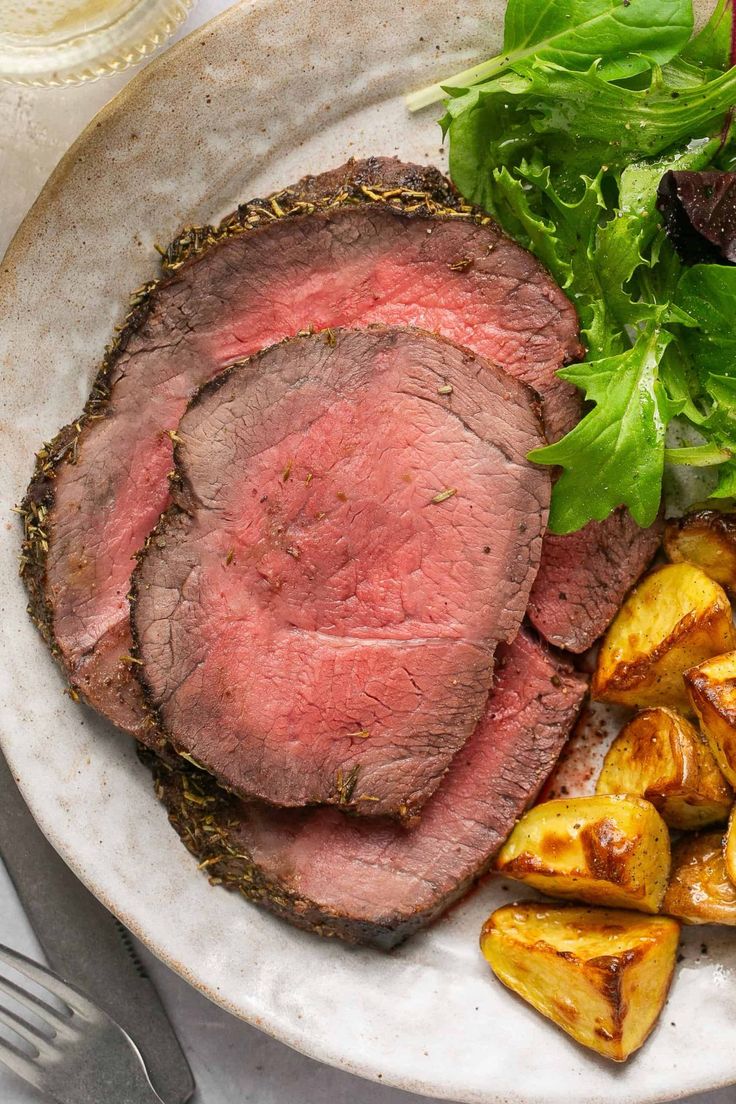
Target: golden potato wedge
<point>676,617</point>
<point>659,756</point>
<point>712,689</point>
<point>607,850</point>
<point>700,891</point>
<point>600,974</point>
<point>706,538</point>
<point>729,848</point>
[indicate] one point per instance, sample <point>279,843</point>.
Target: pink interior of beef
<point>383,874</point>
<point>353,545</point>
<point>352,266</point>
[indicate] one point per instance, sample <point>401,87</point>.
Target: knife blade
<point>86,944</point>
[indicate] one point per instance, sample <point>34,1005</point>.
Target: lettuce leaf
<point>629,35</point>
<point>711,47</point>
<point>573,33</point>
<point>707,295</point>
<point>566,148</point>
<point>622,439</point>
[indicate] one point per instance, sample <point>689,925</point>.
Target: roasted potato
<point>729,848</point>
<point>658,755</point>
<point>676,617</point>
<point>600,974</point>
<point>607,850</point>
<point>700,891</point>
<point>712,689</point>
<point>706,538</point>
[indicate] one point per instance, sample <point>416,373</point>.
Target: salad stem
<point>434,93</point>
<point>699,456</point>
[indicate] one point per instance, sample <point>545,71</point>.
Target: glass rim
<point>111,48</point>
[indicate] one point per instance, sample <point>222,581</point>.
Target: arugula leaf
<point>628,36</point>
<point>621,440</point>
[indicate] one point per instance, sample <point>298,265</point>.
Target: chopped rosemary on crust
<point>207,818</point>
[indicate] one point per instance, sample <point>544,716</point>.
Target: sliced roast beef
<point>375,241</point>
<point>584,578</point>
<point>374,882</point>
<point>357,528</point>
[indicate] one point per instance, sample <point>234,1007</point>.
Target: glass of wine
<point>57,42</point>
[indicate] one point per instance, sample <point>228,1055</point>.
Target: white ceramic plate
<point>265,93</point>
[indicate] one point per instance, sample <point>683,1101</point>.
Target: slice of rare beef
<point>371,881</point>
<point>584,577</point>
<point>357,528</point>
<point>374,241</point>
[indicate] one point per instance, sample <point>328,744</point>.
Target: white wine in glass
<point>55,42</point>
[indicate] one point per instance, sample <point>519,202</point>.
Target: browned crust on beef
<point>412,190</point>
<point>206,817</point>
<point>203,814</point>
<point>63,449</point>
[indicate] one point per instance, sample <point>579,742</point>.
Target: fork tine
<point>31,1002</point>
<point>69,994</point>
<point>26,1031</point>
<point>20,1063</point>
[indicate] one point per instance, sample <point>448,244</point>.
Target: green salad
<point>566,138</point>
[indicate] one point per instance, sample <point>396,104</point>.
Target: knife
<point>86,945</point>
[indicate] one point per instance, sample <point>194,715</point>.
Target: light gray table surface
<point>233,1063</point>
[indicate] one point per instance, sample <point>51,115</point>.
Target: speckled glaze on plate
<point>268,91</point>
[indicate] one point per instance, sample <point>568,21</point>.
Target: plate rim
<point>271,1025</point>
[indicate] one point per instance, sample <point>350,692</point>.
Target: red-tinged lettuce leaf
<point>699,211</point>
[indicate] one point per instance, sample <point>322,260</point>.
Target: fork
<point>80,1056</point>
